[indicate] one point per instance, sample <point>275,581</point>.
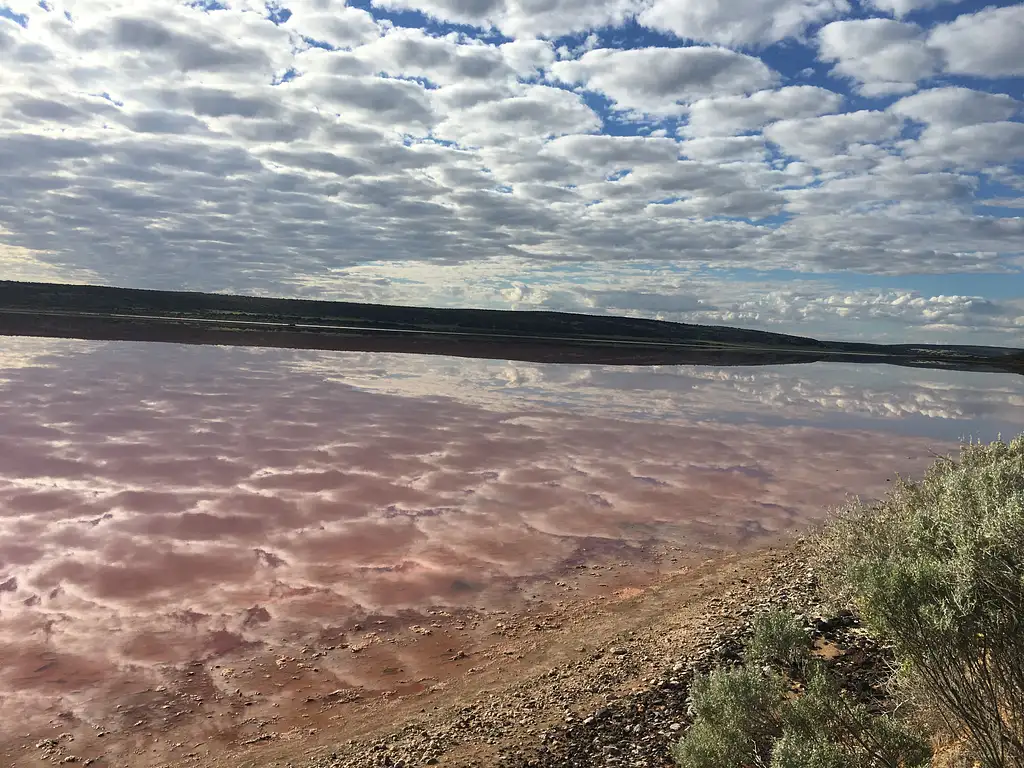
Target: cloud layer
<point>240,146</point>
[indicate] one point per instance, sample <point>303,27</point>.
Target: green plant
<point>736,718</point>
<point>777,638</point>
<point>936,569</point>
<point>744,717</point>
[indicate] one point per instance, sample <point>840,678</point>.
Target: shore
<point>588,682</point>
<point>499,687</point>
<point>614,689</point>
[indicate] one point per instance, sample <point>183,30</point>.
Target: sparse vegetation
<point>781,709</point>
<point>936,571</point>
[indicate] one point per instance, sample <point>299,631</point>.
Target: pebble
<point>636,728</point>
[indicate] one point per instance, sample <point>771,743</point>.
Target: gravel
<point>623,705</point>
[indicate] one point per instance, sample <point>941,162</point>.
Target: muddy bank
<point>613,689</point>
<point>464,688</point>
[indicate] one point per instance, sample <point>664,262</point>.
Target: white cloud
<point>156,145</point>
<point>524,18</point>
<point>402,104</point>
<point>955,106</point>
<point>903,7</point>
<point>607,154</point>
<point>882,55</point>
<point>408,52</point>
<point>968,147</point>
<point>536,111</point>
<point>726,115</point>
<point>659,80</point>
<point>726,149</point>
<point>986,43</point>
<point>528,57</point>
<point>819,139</point>
<point>867,191</point>
<point>331,21</point>
<point>739,22</point>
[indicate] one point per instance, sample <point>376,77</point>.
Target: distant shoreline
<point>117,314</point>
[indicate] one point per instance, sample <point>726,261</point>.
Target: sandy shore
<point>502,687</point>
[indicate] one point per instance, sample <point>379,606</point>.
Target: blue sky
<point>833,168</point>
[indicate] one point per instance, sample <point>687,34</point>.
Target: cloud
<point>164,146</point>
<point>726,149</point>
<point>903,7</point>
<point>883,56</point>
<point>818,139</point>
<point>535,111</point>
<point>407,52</point>
<point>967,147</point>
<point>332,22</point>
<point>727,115</point>
<point>748,22</point>
<point>524,18</point>
<point>602,155</point>
<point>956,107</point>
<point>398,103</point>
<point>985,43</point>
<point>659,80</point>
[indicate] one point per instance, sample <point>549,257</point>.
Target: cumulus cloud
<point>984,44</point>
<point>903,7</point>
<point>884,56</point>
<point>332,22</point>
<point>535,111</point>
<point>968,147</point>
<point>956,106</point>
<point>727,115</point>
<point>817,139</point>
<point>748,22</point>
<point>659,80</point>
<point>524,18</point>
<point>230,147</point>
<point>412,53</point>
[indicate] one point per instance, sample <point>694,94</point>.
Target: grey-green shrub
<point>826,723</point>
<point>735,715</point>
<point>743,718</point>
<point>936,569</point>
<point>777,637</point>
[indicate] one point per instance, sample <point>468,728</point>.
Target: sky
<point>844,169</point>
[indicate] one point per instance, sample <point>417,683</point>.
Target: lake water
<point>165,509</point>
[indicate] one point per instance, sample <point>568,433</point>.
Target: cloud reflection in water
<point>162,503</point>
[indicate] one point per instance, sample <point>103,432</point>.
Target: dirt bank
<point>595,681</point>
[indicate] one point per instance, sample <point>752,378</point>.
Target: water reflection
<point>162,504</point>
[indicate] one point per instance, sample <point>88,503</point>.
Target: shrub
<point>777,638</point>
<point>936,569</point>
<point>744,717</point>
<point>735,715</point>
